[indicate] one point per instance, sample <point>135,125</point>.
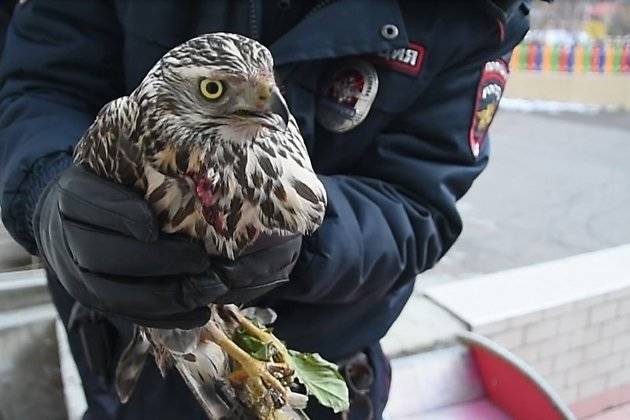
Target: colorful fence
<point>595,57</point>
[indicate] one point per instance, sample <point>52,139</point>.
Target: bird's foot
<point>262,378</point>
<point>282,354</point>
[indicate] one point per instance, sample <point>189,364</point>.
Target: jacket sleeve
<point>395,216</point>
<point>61,63</point>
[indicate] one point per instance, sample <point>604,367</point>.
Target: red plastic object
<point>512,385</point>
<point>510,390</point>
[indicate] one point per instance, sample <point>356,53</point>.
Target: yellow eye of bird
<point>211,89</point>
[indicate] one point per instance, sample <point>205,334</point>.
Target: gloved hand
<point>103,242</point>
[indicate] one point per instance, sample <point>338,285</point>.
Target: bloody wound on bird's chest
<point>206,194</point>
<point>204,190</point>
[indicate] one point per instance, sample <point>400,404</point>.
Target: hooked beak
<point>278,106</point>
<point>269,102</point>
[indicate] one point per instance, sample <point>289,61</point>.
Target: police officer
<point>394,100</point>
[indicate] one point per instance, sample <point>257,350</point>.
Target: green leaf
<point>252,345</point>
<point>321,379</point>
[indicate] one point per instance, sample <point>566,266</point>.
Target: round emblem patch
<point>346,96</point>
<point>489,92</point>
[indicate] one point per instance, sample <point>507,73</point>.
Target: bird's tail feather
<point>130,364</point>
<point>206,375</point>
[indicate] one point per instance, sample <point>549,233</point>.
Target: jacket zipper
<point>254,30</point>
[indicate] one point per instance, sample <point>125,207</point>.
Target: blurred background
<point>542,267</point>
<point>558,183</point>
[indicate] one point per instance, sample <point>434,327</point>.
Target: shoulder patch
<point>489,92</point>
<point>405,60</point>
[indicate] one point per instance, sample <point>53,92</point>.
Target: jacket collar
<point>352,27</point>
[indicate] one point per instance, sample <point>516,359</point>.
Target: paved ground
<point>557,185</point>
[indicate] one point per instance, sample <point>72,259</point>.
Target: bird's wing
<point>204,368</point>
<point>298,200</point>
<point>130,364</point>
<point>205,372</point>
<point>108,148</point>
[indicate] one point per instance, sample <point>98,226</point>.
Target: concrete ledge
<point>422,326</point>
<point>76,404</point>
<point>569,319</point>
<point>20,289</point>
<point>432,380</point>
<point>513,293</point>
<point>25,316</point>
<point>12,255</point>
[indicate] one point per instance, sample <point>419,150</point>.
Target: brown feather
<point>305,192</point>
<point>184,212</point>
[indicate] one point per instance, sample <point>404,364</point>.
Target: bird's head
<point>215,80</point>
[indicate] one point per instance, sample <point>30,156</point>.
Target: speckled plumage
<point>221,171</point>
<point>171,144</point>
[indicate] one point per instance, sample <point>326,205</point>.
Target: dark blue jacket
<point>6,10</point>
<point>392,181</point>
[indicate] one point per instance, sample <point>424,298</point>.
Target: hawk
<point>208,139</point>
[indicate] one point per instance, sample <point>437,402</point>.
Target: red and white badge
<point>346,96</point>
<point>489,93</point>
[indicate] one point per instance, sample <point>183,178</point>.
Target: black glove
<point>103,242</point>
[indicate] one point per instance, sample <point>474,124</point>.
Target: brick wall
<point>569,319</point>
<point>581,348</point>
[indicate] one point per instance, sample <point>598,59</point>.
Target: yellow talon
<point>255,369</point>
<point>238,376</point>
<point>261,334</point>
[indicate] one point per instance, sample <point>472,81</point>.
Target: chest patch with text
<point>405,60</point>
